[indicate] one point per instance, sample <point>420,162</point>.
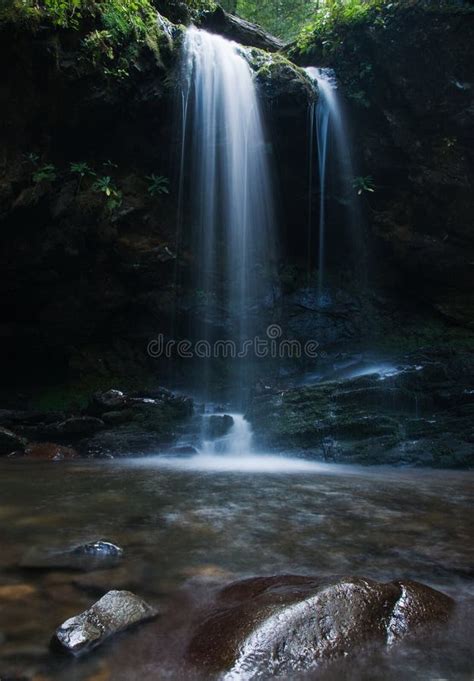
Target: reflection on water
<point>190,525</point>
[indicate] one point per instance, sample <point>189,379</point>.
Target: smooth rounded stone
<point>284,624</point>
<point>87,557</point>
<point>10,442</point>
<point>49,451</point>
<point>113,613</point>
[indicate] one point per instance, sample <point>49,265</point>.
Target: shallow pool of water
<point>189,526</point>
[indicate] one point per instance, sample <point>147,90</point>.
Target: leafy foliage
<point>326,30</point>
<point>105,185</point>
<point>363,184</point>
<point>113,31</point>
<point>304,19</point>
<point>31,157</point>
<point>283,18</point>
<point>158,184</point>
<point>82,169</point>
<point>45,173</point>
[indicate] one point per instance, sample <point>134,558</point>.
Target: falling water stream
<point>327,124</point>
<point>225,178</point>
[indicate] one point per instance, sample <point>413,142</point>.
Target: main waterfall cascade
<point>226,182</point>
<point>327,126</point>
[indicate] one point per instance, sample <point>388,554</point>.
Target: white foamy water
<point>226,181</point>
<point>250,463</point>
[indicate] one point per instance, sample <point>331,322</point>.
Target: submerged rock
<point>284,624</point>
<point>98,548</point>
<point>113,613</point>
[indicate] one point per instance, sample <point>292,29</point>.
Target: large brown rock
<point>50,451</point>
<point>291,623</point>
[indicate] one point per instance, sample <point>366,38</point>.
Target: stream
<point>190,525</point>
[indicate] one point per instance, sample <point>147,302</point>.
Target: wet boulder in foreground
<point>113,613</point>
<point>291,623</point>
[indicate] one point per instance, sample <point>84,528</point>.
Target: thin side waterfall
<point>226,185</point>
<point>327,122</point>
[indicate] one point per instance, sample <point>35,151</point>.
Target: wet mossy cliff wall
<point>85,259</point>
<point>88,264</point>
<point>407,78</point>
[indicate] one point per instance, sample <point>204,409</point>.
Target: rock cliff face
<point>88,270</point>
<point>417,411</point>
<point>406,75</point>
<point>78,274</point>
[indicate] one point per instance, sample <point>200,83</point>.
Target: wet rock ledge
<point>113,424</point>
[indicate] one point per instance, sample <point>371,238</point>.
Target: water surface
<point>189,526</point>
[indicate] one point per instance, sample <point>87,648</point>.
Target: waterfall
<point>226,186</point>
<point>237,442</point>
<point>327,121</point>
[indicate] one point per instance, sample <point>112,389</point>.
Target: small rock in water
<point>16,592</point>
<point>113,613</point>
<point>97,555</point>
<point>99,548</point>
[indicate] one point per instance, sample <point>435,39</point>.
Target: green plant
<point>363,184</point>
<point>158,184</point>
<point>46,173</point>
<point>98,45</point>
<point>326,28</point>
<point>82,169</point>
<point>105,185</point>
<point>32,158</point>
